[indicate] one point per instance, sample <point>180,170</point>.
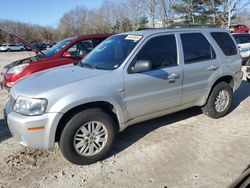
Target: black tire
<point>66,142</point>
<point>8,50</point>
<point>209,109</point>
<point>248,79</point>
<point>248,62</point>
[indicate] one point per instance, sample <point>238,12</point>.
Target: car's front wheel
<point>219,101</point>
<point>87,137</point>
<point>248,62</point>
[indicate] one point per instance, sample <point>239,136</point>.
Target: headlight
<point>30,106</point>
<point>17,69</point>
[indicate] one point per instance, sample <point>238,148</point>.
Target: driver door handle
<point>172,76</point>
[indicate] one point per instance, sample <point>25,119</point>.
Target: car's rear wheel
<point>87,137</point>
<point>219,101</point>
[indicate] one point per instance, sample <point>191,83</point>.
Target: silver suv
<point>11,47</point>
<point>129,78</point>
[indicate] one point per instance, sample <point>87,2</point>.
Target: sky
<point>42,12</point>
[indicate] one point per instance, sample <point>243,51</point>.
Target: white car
<point>243,41</point>
<point>11,47</point>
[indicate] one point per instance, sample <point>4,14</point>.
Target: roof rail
<point>177,26</point>
<point>146,28</point>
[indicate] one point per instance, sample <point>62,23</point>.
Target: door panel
<point>152,91</point>
<point>198,78</point>
<point>160,88</point>
<point>201,67</point>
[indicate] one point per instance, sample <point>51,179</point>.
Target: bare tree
<point>150,5</point>
<point>224,10</point>
<point>133,10</point>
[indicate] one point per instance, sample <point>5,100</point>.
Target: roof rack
<point>146,28</point>
<point>177,26</point>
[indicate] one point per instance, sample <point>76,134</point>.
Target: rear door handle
<point>212,68</point>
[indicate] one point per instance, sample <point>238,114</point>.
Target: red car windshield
<point>56,48</point>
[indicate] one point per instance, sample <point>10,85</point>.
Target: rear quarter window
<point>225,42</point>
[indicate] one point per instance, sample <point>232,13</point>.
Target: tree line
<point>114,16</point>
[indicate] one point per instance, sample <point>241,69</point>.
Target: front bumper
<point>20,126</point>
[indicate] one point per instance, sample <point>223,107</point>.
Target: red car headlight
<point>17,69</point>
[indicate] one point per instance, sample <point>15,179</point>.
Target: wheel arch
<point>226,78</point>
<point>103,105</point>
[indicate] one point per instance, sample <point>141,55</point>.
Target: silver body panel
<point>135,97</point>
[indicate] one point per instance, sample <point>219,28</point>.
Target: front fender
<point>74,99</point>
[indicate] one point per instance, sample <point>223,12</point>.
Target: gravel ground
<point>185,149</point>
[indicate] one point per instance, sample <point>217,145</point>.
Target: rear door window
<point>225,42</point>
<point>196,48</point>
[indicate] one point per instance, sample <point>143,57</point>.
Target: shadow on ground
<point>241,94</point>
<point>136,132</point>
<point>4,131</point>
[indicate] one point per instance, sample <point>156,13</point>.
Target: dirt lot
<point>185,149</point>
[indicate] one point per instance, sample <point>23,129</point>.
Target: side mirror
<point>67,54</point>
<point>141,66</point>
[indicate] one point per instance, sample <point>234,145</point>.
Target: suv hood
<point>26,43</point>
<point>44,81</point>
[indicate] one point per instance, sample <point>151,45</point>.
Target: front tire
<point>248,62</point>
<point>87,137</point>
<point>219,101</point>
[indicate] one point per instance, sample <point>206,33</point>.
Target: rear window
<point>225,42</point>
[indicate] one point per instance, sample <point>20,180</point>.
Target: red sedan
<point>239,29</point>
<point>67,51</point>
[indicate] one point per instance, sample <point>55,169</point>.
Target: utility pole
<point>229,14</point>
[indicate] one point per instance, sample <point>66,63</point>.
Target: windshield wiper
<point>88,65</point>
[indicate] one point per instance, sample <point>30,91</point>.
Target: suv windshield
<point>111,53</point>
<point>54,49</point>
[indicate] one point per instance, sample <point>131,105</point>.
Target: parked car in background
<point>49,45</point>
<point>129,78</point>
<point>11,47</point>
<point>40,46</point>
<point>67,51</point>
<point>243,41</point>
<point>239,29</point>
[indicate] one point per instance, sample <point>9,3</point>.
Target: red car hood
<point>26,43</point>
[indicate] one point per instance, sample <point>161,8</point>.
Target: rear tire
<point>87,137</point>
<point>219,101</point>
